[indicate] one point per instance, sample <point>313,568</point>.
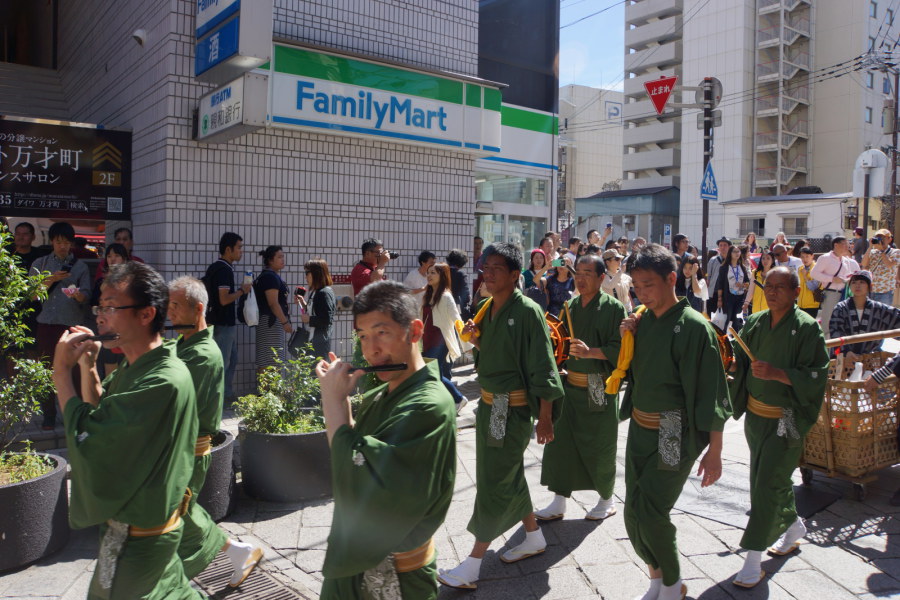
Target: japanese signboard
<point>234,109</point>
<point>63,171</point>
<point>659,91</point>
<point>232,37</point>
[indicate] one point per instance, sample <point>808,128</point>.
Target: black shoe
<point>895,499</point>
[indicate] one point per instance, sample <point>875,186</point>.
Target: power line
<point>601,11</point>
<point>622,78</point>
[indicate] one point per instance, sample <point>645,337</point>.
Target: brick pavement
<point>852,549</point>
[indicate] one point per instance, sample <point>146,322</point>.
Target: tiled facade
<point>315,194</point>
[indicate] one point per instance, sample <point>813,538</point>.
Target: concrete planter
<point>285,467</point>
<point>217,495</point>
<point>34,519</point>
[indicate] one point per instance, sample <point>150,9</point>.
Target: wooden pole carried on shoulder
<point>862,337</point>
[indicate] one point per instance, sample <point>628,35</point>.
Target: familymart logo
<point>376,109</point>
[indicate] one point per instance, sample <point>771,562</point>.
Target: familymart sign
<point>318,91</point>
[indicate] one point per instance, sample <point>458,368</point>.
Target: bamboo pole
<point>862,337</point>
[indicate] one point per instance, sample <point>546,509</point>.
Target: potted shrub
<point>34,519</point>
<point>217,496</point>
<point>284,450</point>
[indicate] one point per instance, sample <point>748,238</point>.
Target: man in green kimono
<point>582,455</point>
<point>130,439</point>
<point>781,391</point>
<point>202,538</point>
<point>394,466</point>
<point>678,402</point>
<point>519,383</point>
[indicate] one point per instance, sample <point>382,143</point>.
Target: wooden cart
<point>856,433</point>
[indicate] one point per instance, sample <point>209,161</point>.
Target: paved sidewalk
<point>852,549</point>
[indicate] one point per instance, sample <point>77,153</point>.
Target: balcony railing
<point>797,126</point>
<point>797,92</point>
<point>765,174</point>
<point>766,138</point>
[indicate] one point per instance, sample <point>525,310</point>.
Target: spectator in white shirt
<point>616,283</point>
<point>833,270</point>
<point>416,280</point>
<point>784,259</point>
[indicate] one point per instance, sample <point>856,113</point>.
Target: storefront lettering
<point>365,107</point>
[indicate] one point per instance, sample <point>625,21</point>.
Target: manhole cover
<point>214,582</point>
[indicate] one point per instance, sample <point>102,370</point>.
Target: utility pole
<point>894,148</point>
<point>707,153</point>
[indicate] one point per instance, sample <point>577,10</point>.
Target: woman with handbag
<point>272,299</point>
<point>320,305</point>
<point>732,284</point>
<point>440,339</point>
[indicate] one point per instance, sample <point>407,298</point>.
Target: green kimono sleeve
<point>611,317</point>
<point>132,456</point>
<point>809,374</point>
<point>395,496</point>
<point>705,389</point>
<point>541,375</point>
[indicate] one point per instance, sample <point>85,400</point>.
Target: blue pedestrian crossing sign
<point>709,190</point>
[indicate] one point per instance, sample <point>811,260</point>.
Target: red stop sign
<point>659,91</point>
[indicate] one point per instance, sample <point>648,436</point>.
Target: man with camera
<point>882,261</point>
<point>372,266</point>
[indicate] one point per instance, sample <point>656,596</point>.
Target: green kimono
<point>797,345</point>
<point>515,354</point>
<point>132,458</point>
<point>393,474</point>
<point>202,538</point>
<point>582,455</point>
<point>676,371</point>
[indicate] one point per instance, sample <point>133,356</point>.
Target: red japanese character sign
<point>659,91</point>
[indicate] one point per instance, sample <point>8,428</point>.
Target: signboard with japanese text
<point>231,38</point>
<point>64,171</point>
<point>234,109</point>
<point>659,91</point>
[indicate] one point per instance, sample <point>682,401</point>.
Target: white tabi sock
<point>750,571</point>
<point>535,539</point>
<point>467,571</point>
<point>671,592</point>
<point>653,592</point>
<point>238,552</point>
<point>794,533</point>
<point>556,507</point>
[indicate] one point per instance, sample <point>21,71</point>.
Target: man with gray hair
<point>202,538</point>
<point>779,382</point>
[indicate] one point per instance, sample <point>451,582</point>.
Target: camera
<point>609,225</point>
<point>876,241</point>
<point>394,255</point>
<point>300,291</point>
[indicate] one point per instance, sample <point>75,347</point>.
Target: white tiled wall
<point>317,195</point>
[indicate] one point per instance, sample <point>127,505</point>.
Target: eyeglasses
<point>108,310</point>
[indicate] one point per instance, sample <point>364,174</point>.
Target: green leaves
<point>31,380</point>
<point>287,401</point>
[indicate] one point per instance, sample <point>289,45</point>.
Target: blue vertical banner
<point>218,45</point>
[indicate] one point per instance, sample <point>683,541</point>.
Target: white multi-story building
<point>590,142</point>
<point>798,106</point>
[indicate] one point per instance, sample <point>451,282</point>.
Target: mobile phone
<point>559,262</point>
<point>66,268</point>
<point>609,225</point>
